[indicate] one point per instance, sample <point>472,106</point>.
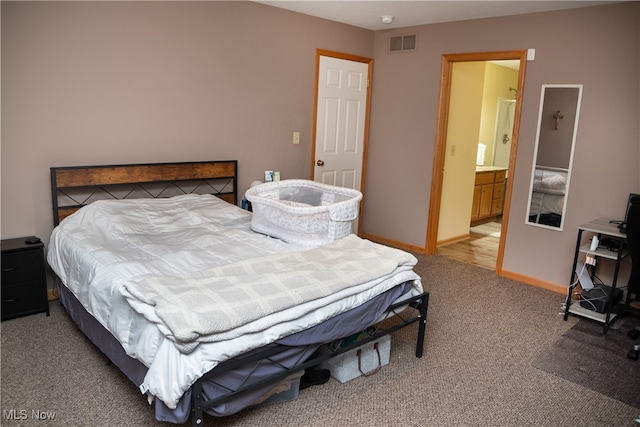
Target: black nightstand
<point>24,279</point>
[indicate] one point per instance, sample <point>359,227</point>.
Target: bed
<point>547,196</point>
<point>144,255</point>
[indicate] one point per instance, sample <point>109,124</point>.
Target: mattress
<point>101,249</point>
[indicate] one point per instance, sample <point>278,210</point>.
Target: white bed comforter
<point>255,294</point>
<point>128,262</point>
<point>549,180</point>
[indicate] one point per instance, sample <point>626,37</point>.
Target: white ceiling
<point>367,13</point>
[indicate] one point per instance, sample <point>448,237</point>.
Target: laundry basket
<point>303,212</point>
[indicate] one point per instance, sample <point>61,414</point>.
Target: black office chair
<point>633,243</point>
<point>633,290</point>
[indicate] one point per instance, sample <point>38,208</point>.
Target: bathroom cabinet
<point>488,195</point>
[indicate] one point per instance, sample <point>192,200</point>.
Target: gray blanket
<point>255,294</point>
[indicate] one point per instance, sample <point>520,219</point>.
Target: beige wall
<point>124,82</point>
<point>134,82</point>
<point>573,46</point>
<point>462,143</point>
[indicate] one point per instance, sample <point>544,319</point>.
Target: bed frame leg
<point>424,303</point>
<point>197,401</point>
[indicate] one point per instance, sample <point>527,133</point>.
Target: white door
<point>340,122</point>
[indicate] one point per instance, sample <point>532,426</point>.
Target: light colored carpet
<point>483,333</point>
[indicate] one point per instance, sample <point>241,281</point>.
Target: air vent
<point>404,43</point>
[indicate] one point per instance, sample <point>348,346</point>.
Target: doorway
<point>441,180</point>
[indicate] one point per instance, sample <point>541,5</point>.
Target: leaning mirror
<point>553,156</point>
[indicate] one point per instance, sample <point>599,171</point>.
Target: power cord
<point>591,251</point>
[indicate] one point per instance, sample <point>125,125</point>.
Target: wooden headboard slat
<point>111,175</point>
<point>102,177</point>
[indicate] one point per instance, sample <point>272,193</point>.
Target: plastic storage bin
<point>303,212</point>
<point>285,391</point>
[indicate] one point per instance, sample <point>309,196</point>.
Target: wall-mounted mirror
<point>553,157</point>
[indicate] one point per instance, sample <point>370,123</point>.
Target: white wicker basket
<point>303,212</point>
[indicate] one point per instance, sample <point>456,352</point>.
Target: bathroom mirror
<point>553,155</point>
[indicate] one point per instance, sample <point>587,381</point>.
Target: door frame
<point>365,142</point>
<point>441,142</point>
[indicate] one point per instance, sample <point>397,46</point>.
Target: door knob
<point>320,163</point>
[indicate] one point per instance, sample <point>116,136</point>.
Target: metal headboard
<point>76,186</point>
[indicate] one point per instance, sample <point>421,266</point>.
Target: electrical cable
<point>584,266</point>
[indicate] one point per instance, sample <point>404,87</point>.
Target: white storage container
<point>364,360</point>
<point>287,390</point>
<point>303,212</point>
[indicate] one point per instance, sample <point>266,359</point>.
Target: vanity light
<point>386,19</point>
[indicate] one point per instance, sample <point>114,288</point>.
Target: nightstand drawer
<point>23,298</point>
<point>21,266</point>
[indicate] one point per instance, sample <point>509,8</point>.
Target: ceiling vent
<point>406,43</point>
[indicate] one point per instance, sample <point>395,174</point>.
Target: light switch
<point>296,138</point>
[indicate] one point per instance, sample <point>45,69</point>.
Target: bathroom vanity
<point>488,193</point>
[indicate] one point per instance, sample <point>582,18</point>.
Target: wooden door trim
<point>365,142</point>
<point>446,68</point>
